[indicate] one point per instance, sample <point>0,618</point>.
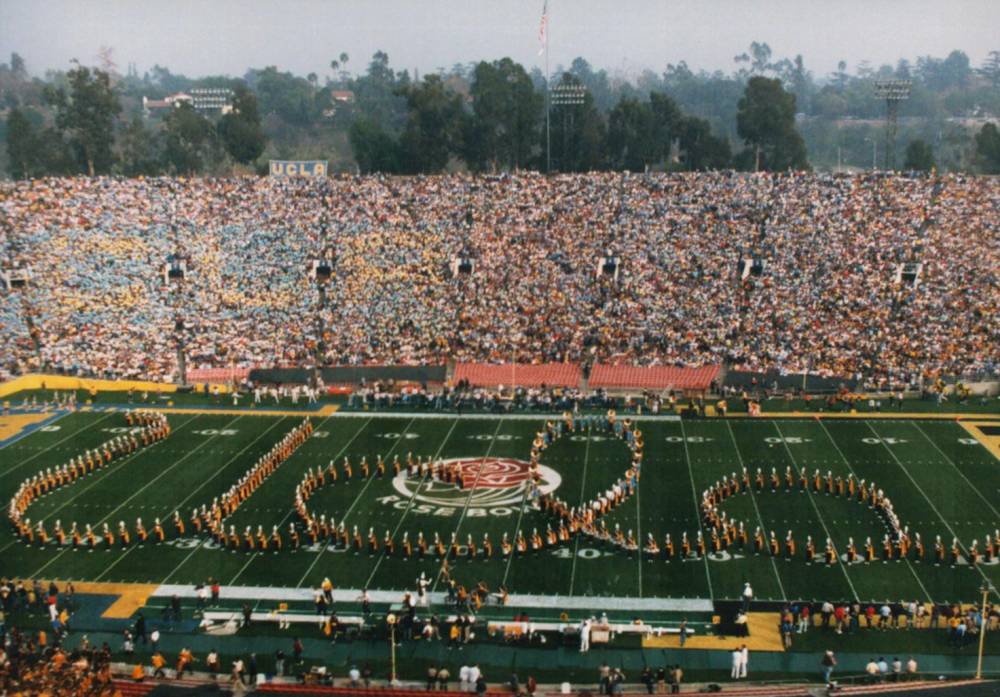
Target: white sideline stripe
<point>548,416</point>
<point>211,618</point>
<point>350,595</point>
<point>441,415</point>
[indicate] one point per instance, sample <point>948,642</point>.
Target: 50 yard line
<point>413,498</point>
<point>753,498</point>
<point>468,500</point>
<point>583,487</point>
<point>819,515</point>
<point>697,508</point>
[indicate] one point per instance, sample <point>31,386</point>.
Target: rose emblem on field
<point>488,482</point>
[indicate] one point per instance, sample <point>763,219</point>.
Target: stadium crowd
<point>826,299</point>
<point>34,662</point>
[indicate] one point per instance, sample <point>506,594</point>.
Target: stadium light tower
<point>15,277</point>
<point>322,271</point>
<point>174,271</point>
<point>985,590</point>
<point>893,92</point>
<point>567,94</point>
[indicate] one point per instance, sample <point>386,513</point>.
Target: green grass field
<point>941,482</point>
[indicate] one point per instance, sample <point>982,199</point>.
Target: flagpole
<point>548,102</point>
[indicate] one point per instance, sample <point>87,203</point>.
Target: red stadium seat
<point>218,375</point>
<point>133,689</point>
<point>652,377</point>
<point>520,375</point>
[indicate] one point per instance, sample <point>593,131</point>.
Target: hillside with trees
<point>766,113</point>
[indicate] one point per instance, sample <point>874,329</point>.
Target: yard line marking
<point>361,494</point>
<point>638,531</point>
<point>58,442</point>
<point>409,505</point>
<point>760,518</point>
<point>812,500</point>
<point>292,510</point>
<point>178,506</point>
<point>583,484</point>
<point>572,575</point>
<point>848,463</point>
<point>697,508</point>
<point>139,491</point>
<point>357,499</point>
<point>104,474</point>
<point>931,504</point>
<point>960,472</point>
<point>29,429</point>
<point>468,500</point>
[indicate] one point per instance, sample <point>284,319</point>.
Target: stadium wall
<point>66,382</point>
<point>814,383</point>
<point>351,375</point>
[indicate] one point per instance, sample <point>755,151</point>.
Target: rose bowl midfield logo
<point>490,482</point>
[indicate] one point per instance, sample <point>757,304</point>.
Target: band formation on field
<point>527,486</point>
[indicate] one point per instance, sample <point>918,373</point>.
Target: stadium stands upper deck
<point>827,300</point>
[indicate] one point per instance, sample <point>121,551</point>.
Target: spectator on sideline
<point>874,675</point>
<point>829,662</point>
<point>676,678</point>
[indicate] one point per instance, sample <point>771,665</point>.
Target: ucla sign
<point>298,168</point>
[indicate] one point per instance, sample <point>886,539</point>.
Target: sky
<point>211,37</point>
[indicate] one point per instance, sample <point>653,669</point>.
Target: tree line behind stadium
<point>490,116</point>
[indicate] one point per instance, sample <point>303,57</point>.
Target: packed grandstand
<point>825,296</point>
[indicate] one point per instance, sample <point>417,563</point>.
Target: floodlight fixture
<point>893,92</point>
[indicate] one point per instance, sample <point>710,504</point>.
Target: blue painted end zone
<point>241,409</point>
<point>28,430</point>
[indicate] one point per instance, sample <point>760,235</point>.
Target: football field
<point>941,479</point>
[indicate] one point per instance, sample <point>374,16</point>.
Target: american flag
<point>541,28</point>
